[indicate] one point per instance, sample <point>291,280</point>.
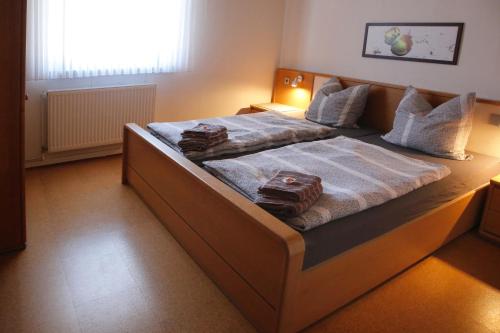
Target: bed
<point>280,279</point>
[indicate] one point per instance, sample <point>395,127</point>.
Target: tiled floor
<point>98,261</point>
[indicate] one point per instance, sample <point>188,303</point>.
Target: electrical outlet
<point>287,81</point>
<point>494,119</point>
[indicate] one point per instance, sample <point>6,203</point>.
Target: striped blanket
<point>246,133</point>
<point>355,175</point>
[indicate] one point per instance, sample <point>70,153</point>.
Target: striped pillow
<point>442,131</point>
<point>335,107</point>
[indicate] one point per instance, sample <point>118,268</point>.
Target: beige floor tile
<point>99,261</point>
<point>91,277</point>
<point>36,302</point>
<point>127,311</point>
<point>49,326</point>
<point>433,296</point>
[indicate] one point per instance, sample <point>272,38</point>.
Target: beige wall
<point>239,43</point>
<point>237,49</point>
<point>326,36</point>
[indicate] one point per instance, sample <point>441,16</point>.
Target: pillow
<point>330,86</point>
<point>335,107</point>
<point>442,131</point>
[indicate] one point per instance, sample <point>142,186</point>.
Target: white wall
<point>326,36</point>
<point>236,51</point>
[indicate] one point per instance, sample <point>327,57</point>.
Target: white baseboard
<point>70,156</point>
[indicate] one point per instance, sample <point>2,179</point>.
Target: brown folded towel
<point>206,131</point>
<point>202,137</point>
<point>293,186</point>
<point>285,208</point>
<point>289,194</point>
<point>200,144</point>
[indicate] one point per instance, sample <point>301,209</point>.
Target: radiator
<point>85,118</point>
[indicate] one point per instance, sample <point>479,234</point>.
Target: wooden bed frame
<point>254,258</point>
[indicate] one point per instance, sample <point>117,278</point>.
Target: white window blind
<point>83,38</point>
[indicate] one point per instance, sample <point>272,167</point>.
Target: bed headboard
<point>383,100</point>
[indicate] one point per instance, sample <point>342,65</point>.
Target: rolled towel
<point>292,186</point>
<point>206,131</point>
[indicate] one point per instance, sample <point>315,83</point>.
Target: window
<point>83,38</point>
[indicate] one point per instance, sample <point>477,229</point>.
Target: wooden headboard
<point>383,98</point>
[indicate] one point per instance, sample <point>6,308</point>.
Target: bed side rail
<point>265,252</point>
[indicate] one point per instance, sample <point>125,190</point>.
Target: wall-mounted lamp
<point>295,82</point>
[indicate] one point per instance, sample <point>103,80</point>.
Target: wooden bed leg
<point>125,156</point>
<point>287,311</point>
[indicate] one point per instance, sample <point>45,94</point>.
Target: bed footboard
<point>254,258</point>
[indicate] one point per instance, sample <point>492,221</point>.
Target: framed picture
<point>424,42</point>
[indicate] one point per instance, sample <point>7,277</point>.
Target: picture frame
<point>421,42</point>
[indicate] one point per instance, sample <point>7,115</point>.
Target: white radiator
<point>86,118</point>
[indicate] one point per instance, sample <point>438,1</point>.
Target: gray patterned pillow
<point>335,107</point>
<point>330,86</point>
<point>442,131</point>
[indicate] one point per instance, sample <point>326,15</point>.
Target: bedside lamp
<point>293,88</point>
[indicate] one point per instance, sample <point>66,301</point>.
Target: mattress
<point>252,133</point>
<point>247,133</point>
<point>355,175</point>
<point>333,238</point>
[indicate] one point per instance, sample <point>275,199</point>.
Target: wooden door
<point>12,81</point>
